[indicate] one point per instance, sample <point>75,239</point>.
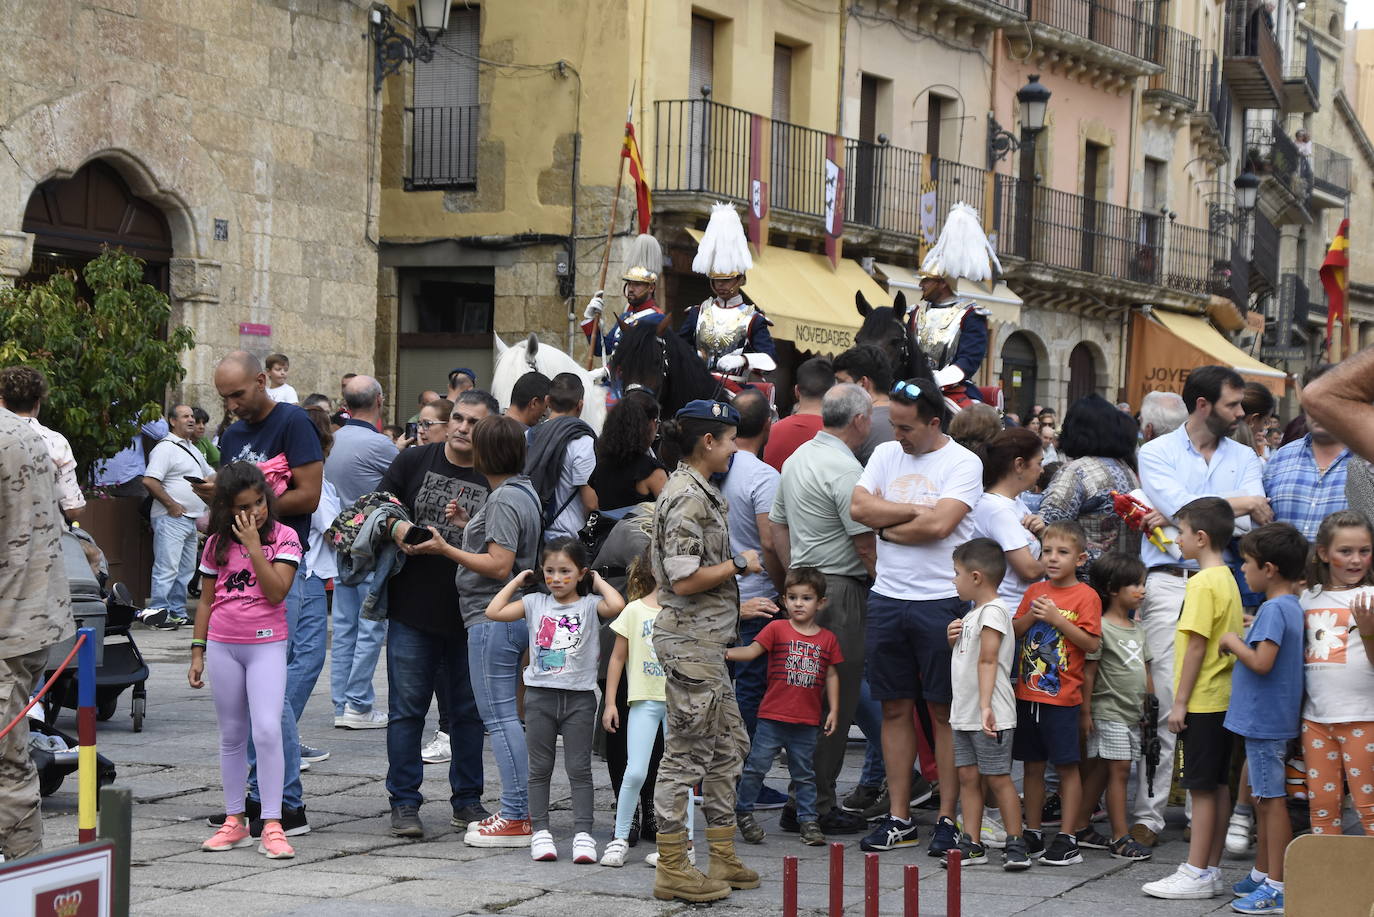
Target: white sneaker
<point>1182,885</point>
<point>357,719</point>
<point>438,751</point>
<point>615,852</point>
<point>542,849</point>
<point>305,765</point>
<point>1238,834</point>
<point>1219,884</point>
<point>584,848</point>
<point>993,834</point>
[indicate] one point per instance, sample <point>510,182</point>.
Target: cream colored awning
<point>1003,304</point>
<point>809,301</point>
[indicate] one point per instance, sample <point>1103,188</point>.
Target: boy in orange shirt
<point>1057,624</point>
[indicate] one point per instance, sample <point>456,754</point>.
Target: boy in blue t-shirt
<point>1266,699</point>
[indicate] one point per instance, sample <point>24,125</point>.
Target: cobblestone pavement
<point>350,865</point>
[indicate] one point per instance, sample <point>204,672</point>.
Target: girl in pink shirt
<point>248,565</point>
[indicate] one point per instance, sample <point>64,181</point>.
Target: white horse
<point>513,361</point>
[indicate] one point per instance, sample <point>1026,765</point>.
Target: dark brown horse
<point>885,327</point>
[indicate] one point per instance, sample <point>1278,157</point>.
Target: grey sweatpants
<point>549,713</point>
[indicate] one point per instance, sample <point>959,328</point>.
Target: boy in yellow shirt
<point>1202,692</point>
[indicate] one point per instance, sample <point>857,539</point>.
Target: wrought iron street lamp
<point>1035,99</point>
<point>393,49</point>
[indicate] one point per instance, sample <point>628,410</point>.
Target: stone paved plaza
<point>350,865</point>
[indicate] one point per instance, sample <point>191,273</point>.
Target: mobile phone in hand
<point>412,430</point>
<point>417,535</point>
<point>193,479</point>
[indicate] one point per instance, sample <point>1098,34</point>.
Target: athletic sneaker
<point>405,822</point>
<point>1126,847</point>
<point>467,816</point>
<point>584,849</point>
<point>1091,838</point>
<point>1015,856</point>
<point>499,831</point>
<point>438,751</point>
<point>993,833</point>
<point>1052,815</point>
<point>1245,886</point>
<point>1238,834</point>
<point>862,797</point>
<point>313,755</point>
<point>233,832</point>
<point>358,719</point>
<point>812,835</point>
<point>1035,843</point>
<point>770,798</point>
<point>1264,900</point>
<point>157,619</point>
<point>292,821</point>
<point>615,852</point>
<point>542,849</point>
<point>1063,851</point>
<point>944,838</point>
<point>889,835</point>
<point>922,791</point>
<point>749,828</point>
<point>305,765</point>
<point>177,620</point>
<point>273,844</point>
<point>970,854</point>
<point>1182,885</point>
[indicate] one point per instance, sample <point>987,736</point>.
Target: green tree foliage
<point>106,359</point>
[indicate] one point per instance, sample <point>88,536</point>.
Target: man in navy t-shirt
<point>266,429</point>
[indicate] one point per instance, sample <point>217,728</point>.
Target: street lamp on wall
<point>1247,190</point>
<point>1034,99</point>
<point>393,49</point>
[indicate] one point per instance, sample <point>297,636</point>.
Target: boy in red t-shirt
<point>1057,624</point>
<point>801,661</point>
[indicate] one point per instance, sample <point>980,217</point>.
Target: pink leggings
<point>248,683</point>
<point>1332,752</point>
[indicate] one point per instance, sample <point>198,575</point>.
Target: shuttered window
<point>703,55</point>
<point>782,83</point>
<point>446,111</point>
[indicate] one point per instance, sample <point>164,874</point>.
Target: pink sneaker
<point>274,845</point>
<point>233,833</point>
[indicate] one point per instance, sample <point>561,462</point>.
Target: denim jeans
<point>800,742</point>
<point>494,650</point>
<point>413,658</point>
<point>868,716</point>
<point>293,795</point>
<point>357,646</point>
<point>750,677</point>
<point>305,649</point>
<point>174,562</point>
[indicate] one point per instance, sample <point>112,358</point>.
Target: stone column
<point>16,255</point>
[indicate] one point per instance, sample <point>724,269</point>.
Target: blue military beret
<point>704,409</point>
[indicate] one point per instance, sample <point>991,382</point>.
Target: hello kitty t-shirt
<point>241,613</point>
<point>1337,676</point>
<point>565,642</point>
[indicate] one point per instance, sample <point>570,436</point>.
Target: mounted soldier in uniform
<point>643,262</point>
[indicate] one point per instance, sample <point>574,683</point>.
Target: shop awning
<point>809,302</point>
<point>1166,346</point>
<point>1003,304</point>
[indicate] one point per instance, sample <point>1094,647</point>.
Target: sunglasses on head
<point>911,389</point>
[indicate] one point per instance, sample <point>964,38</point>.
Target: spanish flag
<point>1335,279</point>
<point>643,200</point>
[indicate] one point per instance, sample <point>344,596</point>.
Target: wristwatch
<point>741,565</point>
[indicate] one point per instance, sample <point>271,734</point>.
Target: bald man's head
<point>242,383</point>
<point>362,394</point>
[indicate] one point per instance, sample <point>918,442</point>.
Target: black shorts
<point>1206,751</point>
<point>906,648</point>
<point>1045,732</point>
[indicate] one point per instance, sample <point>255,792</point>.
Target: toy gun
<point>1133,513</point>
<point>1149,740</point>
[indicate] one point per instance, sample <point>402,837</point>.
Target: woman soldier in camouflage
<point>706,740</point>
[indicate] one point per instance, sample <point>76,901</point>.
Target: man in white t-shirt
<point>917,493</point>
<point>173,515</point>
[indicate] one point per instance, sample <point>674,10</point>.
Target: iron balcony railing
<point>1308,67</point>
<point>1199,260</point>
<point>443,146</point>
<point>1270,151</point>
<point>1254,63</point>
<point>1316,294</point>
<point>1115,24</point>
<point>1181,57</point>
<point>796,174</point>
<point>1215,101</point>
<point>883,187</point>
<point>701,146</point>
<point>1330,171</point>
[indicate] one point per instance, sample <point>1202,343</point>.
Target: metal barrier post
<point>789,886</point>
<point>87,778</point>
<point>116,826</point>
<point>836,879</point>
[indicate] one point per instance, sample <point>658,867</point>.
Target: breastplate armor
<point>937,331</point>
<point>721,331</point>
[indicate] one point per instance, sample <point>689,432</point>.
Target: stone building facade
<point>246,125</point>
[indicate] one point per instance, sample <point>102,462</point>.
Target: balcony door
<point>1094,177</point>
<point>783,174</point>
<point>700,75</point>
<point>864,193</point>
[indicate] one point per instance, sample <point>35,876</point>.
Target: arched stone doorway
<point>1082,373</point>
<point>1020,372</point>
<point>72,219</point>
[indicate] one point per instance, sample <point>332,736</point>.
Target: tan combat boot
<point>674,877</point>
<point>724,864</point>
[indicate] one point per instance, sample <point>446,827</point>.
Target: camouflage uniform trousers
<point>706,742</point>
<point>21,825</point>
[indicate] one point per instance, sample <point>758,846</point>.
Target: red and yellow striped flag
<point>643,200</point>
<point>1335,277</point>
